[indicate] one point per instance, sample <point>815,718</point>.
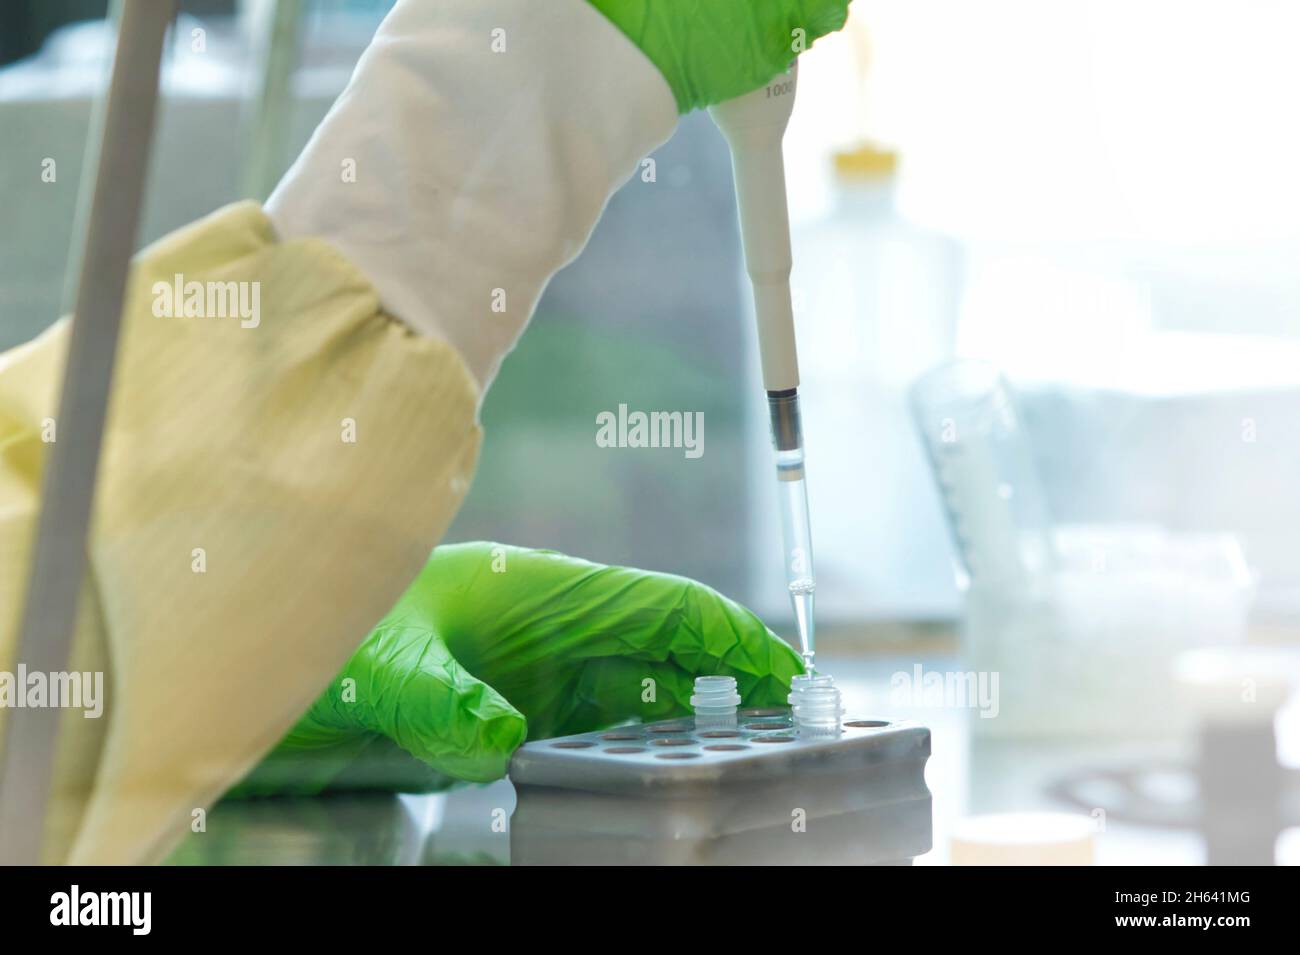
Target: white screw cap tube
<point>754,125</point>
<point>715,699</point>
<point>816,704</point>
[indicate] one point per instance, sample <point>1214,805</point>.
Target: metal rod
<point>59,552</point>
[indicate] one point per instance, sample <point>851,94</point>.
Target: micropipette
<point>754,125</point>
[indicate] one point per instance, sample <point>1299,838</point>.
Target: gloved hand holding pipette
<point>267,493</point>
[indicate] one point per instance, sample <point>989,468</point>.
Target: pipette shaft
<point>754,125</point>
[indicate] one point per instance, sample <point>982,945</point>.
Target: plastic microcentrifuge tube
<point>715,700</point>
<point>816,704</point>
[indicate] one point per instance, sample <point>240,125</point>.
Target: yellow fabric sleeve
<point>265,494</point>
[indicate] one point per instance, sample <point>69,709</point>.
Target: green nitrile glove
<point>710,51</point>
<point>493,643</point>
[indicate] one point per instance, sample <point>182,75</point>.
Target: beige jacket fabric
<point>266,493</point>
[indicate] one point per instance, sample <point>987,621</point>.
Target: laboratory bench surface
<point>967,774</point>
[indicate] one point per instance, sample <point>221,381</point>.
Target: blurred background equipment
<point>1070,616</point>
<point>1236,790</point>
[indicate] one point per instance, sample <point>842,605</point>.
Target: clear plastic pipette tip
<point>802,593</point>
<point>796,528</point>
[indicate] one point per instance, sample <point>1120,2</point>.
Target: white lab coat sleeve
<point>471,155</point>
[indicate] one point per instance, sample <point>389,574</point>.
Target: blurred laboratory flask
<point>1023,838</point>
<point>984,468</point>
